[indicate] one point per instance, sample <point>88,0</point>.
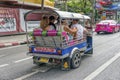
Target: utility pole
<point>42,4</point>
<point>94,11</point>
<point>66,5</point>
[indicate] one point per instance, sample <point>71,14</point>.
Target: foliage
<point>84,6</point>
<point>80,6</point>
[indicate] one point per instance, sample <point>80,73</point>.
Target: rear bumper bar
<point>49,56</point>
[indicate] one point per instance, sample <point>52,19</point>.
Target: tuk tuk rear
<point>56,46</point>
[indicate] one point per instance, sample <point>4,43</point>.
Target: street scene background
<point>103,64</point>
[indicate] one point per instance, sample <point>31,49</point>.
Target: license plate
<point>44,49</point>
<point>44,60</point>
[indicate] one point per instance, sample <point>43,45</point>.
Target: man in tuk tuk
<point>76,29</point>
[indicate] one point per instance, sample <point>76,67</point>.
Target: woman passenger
<point>44,23</point>
<point>47,23</point>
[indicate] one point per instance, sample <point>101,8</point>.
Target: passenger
<point>52,22</point>
<point>76,29</point>
<point>48,23</point>
<point>70,24</point>
<point>44,23</point>
<point>63,24</point>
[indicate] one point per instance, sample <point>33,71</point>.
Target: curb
<point>2,45</point>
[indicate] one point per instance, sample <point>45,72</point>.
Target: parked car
<point>109,26</point>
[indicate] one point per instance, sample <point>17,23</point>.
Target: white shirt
<point>80,29</point>
<point>52,27</point>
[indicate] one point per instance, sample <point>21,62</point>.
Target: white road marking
<point>40,69</point>
<point>22,60</point>
<point>3,65</point>
<point>2,55</point>
<point>11,47</point>
<point>101,68</point>
<point>25,76</point>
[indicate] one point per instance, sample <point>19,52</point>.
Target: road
<point>104,64</point>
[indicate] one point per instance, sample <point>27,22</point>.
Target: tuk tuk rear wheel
<point>76,59</point>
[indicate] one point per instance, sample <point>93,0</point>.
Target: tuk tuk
<point>53,46</point>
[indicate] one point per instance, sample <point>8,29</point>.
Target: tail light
<point>30,49</point>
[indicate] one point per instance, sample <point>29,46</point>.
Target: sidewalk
<point>12,40</point>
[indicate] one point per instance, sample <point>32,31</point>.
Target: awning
<point>112,7</point>
<point>98,6</point>
<point>105,2</point>
<point>8,0</point>
<point>23,5</point>
<point>46,2</point>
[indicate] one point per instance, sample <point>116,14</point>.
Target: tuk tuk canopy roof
<point>37,15</point>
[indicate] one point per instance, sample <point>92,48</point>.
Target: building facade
<point>109,9</point>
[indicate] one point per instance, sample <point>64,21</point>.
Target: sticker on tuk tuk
<point>44,49</point>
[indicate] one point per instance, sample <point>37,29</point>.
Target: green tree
<point>84,6</point>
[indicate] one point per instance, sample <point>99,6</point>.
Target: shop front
<point>108,14</point>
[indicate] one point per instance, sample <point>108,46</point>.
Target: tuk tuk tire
<point>113,31</point>
<point>98,32</point>
<point>119,30</point>
<point>76,59</point>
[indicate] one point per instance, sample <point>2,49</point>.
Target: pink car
<point>109,26</point>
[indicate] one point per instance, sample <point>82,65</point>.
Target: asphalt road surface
<point>104,64</point>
